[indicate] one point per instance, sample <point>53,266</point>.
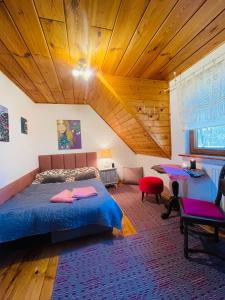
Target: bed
<point>31,213</point>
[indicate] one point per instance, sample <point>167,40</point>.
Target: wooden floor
<point>28,268</point>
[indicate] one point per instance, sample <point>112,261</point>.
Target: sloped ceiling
<point>134,42</point>
<point>137,110</point>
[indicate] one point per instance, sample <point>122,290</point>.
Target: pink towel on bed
<point>84,192</point>
<point>64,197</point>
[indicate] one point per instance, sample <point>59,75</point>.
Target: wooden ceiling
<point>42,40</point>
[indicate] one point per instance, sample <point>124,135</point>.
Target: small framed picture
<point>23,125</point>
<point>4,124</point>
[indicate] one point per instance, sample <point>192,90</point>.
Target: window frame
<point>195,150</point>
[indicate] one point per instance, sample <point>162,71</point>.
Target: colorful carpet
<point>148,265</point>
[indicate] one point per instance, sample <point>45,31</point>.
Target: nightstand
<point>109,176</point>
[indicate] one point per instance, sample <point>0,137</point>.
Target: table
<point>175,173</point>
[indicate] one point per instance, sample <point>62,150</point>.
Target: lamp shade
<point>105,153</point>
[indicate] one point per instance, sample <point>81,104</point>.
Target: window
<point>208,140</point>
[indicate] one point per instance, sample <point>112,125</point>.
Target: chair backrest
<point>221,186</point>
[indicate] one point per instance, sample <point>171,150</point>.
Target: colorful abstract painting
<point>24,125</point>
<point>69,134</point>
<point>4,124</point>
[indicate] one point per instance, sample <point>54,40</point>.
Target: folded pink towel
<point>64,197</point>
<point>84,192</point>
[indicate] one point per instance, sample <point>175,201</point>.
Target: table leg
<point>173,202</point>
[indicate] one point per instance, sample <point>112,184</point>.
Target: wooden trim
<point>16,186</point>
<point>195,150</point>
<point>206,157</point>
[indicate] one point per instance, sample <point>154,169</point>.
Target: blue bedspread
<point>30,212</point>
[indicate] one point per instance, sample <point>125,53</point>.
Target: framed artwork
<point>4,124</point>
<point>69,134</point>
<point>23,125</point>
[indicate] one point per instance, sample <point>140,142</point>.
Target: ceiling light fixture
<point>82,70</point>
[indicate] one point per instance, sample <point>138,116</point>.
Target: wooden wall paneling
<point>12,69</point>
<point>50,9</point>
<point>94,99</point>
<point>26,19</point>
<point>154,16</point>
<point>201,52</point>
<point>209,32</point>
<point>124,122</point>
<point>103,13</point>
<point>127,20</point>
<point>12,39</point>
<point>135,86</point>
<point>192,29</point>
<point>56,37</point>
<point>180,14</point>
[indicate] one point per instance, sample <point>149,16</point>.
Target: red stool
<point>151,185</point>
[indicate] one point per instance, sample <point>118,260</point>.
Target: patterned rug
<point>148,265</point>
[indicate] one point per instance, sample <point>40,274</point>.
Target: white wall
<point>19,155</point>
<point>96,134</point>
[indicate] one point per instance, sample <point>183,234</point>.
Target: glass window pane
<point>211,137</point>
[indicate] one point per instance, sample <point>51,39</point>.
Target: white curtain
<point>201,97</point>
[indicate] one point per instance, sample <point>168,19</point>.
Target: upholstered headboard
<point>67,161</point>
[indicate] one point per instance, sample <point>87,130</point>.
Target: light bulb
<point>76,72</point>
<point>87,73</point>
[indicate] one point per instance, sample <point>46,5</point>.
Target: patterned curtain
<point>201,98</point>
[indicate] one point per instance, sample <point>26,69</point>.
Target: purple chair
<point>194,211</point>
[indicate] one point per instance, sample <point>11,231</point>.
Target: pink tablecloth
<point>175,172</point>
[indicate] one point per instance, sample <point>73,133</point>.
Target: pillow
<point>86,175</point>
<point>52,173</point>
<point>53,179</point>
<point>132,175</point>
<point>76,172</point>
<point>68,174</point>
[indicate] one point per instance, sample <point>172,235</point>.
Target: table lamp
<point>106,155</point>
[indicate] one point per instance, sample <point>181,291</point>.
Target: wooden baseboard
<point>17,186</point>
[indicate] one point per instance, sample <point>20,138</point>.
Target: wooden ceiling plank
<point>26,19</point>
<point>202,18</point>
<point>215,27</point>
<point>56,37</point>
<point>98,43</point>
<point>200,53</point>
<point>77,21</point>
<point>180,14</point>
<point>32,95</point>
<point>138,82</point>
<point>155,14</point>
<point>129,15</point>
<point>12,39</point>
<point>18,75</point>
<point>50,9</point>
<point>77,24</point>
<point>103,13</point>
